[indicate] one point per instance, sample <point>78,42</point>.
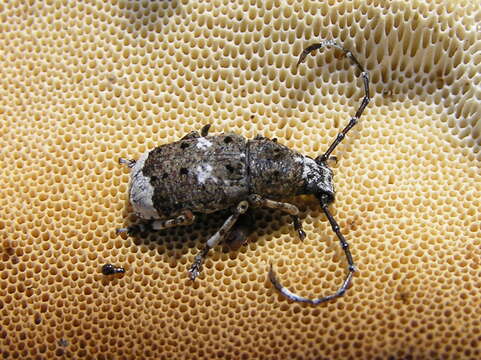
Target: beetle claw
<point>302,234</point>
<point>194,271</point>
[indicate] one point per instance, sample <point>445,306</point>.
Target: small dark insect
<point>109,269</point>
<point>63,342</point>
<point>205,174</point>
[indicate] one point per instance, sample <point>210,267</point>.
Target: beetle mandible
<point>205,174</point>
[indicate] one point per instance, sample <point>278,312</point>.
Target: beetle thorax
<point>279,172</point>
<point>318,177</point>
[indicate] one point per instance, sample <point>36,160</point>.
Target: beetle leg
<point>129,162</point>
<point>184,219</point>
<point>215,239</point>
<point>258,201</point>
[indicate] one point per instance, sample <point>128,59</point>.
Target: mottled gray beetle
<point>205,174</point>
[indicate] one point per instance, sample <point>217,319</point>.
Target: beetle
<point>205,174</point>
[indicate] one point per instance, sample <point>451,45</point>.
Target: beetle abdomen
<point>203,174</point>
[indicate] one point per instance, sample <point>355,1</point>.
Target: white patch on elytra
<point>203,143</point>
<point>141,191</point>
<point>204,172</point>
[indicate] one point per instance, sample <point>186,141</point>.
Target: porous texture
<point>83,83</point>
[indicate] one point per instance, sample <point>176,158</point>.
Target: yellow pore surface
<point>83,83</point>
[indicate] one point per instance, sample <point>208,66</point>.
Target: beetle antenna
<point>365,100</point>
<point>351,267</point>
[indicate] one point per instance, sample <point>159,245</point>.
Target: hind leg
<point>184,219</point>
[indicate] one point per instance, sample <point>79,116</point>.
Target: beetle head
<point>318,179</point>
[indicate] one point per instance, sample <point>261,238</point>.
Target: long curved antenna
<point>365,100</point>
<point>351,267</point>
<point>324,199</point>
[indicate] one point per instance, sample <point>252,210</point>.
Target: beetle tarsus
<point>298,227</point>
<point>196,267</point>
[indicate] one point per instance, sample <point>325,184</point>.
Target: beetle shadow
<point>174,244</point>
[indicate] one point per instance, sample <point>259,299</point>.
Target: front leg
<point>215,239</point>
<point>258,201</point>
<point>184,219</point>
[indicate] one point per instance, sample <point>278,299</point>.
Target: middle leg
<point>258,201</point>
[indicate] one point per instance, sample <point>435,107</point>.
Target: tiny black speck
<point>183,171</point>
<point>109,269</point>
<point>184,145</point>
<point>227,139</point>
